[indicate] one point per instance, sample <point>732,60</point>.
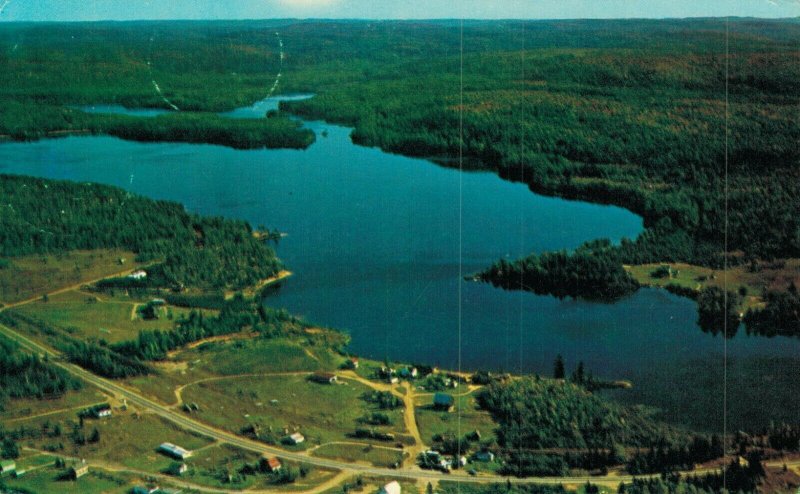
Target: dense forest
<point>185,249</point>
<point>592,272</point>
<point>627,112</point>
<point>23,375</point>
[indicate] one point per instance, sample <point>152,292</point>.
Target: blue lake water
<point>379,242</point>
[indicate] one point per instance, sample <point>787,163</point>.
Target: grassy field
<point>259,356</point>
<point>108,317</point>
<point>30,276</point>
<point>752,279</point>
<point>281,403</point>
<point>46,481</point>
<point>127,438</point>
<point>374,455</point>
<point>235,356</point>
<point>465,416</point>
<point>20,408</point>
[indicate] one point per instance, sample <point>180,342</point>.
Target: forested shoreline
<point>183,249</point>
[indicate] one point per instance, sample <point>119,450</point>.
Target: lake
<point>379,244</point>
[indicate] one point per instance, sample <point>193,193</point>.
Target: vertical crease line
<point>725,267</point>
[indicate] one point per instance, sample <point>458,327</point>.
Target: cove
<point>379,244</point>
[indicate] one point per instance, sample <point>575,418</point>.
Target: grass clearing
<point>360,453</point>
<point>47,481</point>
<point>99,316</point>
<point>31,276</point>
<point>277,404</point>
<point>755,280</point>
<point>259,355</point>
<point>465,412</point>
<point>127,438</point>
<point>18,409</point>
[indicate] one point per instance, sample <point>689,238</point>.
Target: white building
<point>392,487</point>
<point>175,451</point>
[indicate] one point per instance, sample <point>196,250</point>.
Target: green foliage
<point>196,251</point>
<point>383,399</point>
<point>537,413</point>
<point>236,315</point>
<point>103,361</point>
<point>718,311</point>
<point>780,315</point>
<point>27,376</point>
<point>592,272</point>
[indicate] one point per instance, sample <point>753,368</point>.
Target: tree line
<point>186,249</point>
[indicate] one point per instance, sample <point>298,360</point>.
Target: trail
<point>280,67</point>
<point>152,78</point>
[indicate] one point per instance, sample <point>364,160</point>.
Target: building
<point>443,401</point>
<point>138,275</point>
<point>484,456</point>
<point>158,302</point>
<point>78,471</point>
<point>323,377</point>
<point>295,438</point>
<point>354,362</point>
<point>271,464</point>
<point>102,411</point>
<point>7,466</point>
<point>392,487</point>
<point>174,451</point>
<point>408,372</point>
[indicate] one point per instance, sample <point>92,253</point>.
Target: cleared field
<point>212,467</point>
<point>754,280</point>
<point>126,438</point>
<point>30,276</point>
<point>465,417</point>
<point>233,357</point>
<point>47,481</point>
<point>276,404</point>
<point>91,316</point>
<point>17,409</point>
<point>360,453</point>
<point>259,355</point>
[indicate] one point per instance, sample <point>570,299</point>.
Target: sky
<point>92,10</point>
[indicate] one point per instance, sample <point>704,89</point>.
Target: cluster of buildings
<point>436,461</point>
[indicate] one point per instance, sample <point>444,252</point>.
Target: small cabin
<point>392,487</point>
<point>271,464</point>
<point>323,377</point>
<point>7,466</point>
<point>486,456</point>
<point>78,471</point>
<point>294,439</point>
<point>138,275</point>
<point>443,401</point>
